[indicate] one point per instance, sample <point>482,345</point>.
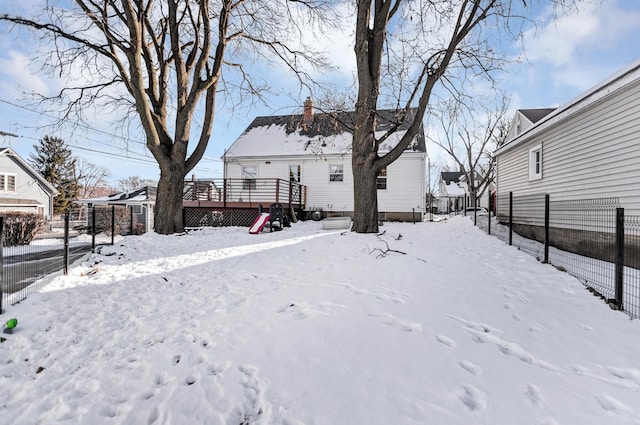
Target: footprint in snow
<point>534,396</point>
<point>253,407</point>
<point>472,368</point>
<point>473,398</point>
<point>445,340</point>
<point>391,320</point>
<point>612,405</point>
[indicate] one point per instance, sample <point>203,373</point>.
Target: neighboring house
<point>455,194</point>
<point>588,148</point>
<point>314,149</point>
<point>452,194</point>
<point>22,188</point>
<point>140,201</point>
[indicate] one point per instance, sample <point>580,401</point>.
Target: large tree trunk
<point>365,197</point>
<point>365,172</point>
<point>168,214</point>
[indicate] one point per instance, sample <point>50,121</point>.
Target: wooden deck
<point>244,193</point>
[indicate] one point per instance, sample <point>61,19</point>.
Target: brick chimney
<point>308,111</point>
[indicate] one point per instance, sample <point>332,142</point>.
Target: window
<point>7,183</point>
<point>249,175</point>
<point>381,180</point>
<point>294,173</point>
<point>336,173</point>
<point>535,163</point>
<point>136,209</point>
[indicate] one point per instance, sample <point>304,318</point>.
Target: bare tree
<point>92,179</point>
<point>403,49</point>
<point>162,61</point>
<point>132,183</point>
<point>470,135</point>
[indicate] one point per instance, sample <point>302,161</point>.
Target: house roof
<point>144,194</point>
<point>328,133</point>
<point>46,186</point>
<point>535,115</point>
<point>618,81</point>
<point>451,176</point>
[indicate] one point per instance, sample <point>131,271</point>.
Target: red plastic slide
<point>259,224</point>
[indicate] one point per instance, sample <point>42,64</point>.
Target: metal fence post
<point>1,261</point>
<point>65,264</point>
<point>546,228</point>
<point>113,224</point>
<point>93,229</point>
<point>475,207</point>
<point>619,267</point>
<point>510,217</point>
<point>131,220</point>
<point>489,215</point>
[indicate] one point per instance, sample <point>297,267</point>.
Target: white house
<point>454,193</point>
<point>588,148</point>
<point>314,149</point>
<point>23,189</point>
<point>451,193</point>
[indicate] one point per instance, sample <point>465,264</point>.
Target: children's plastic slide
<point>259,223</point>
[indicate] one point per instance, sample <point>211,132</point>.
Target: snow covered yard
<point>309,326</point>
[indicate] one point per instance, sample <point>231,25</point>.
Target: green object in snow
<point>11,323</point>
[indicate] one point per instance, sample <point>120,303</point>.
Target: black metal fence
<point>591,239</point>
<point>23,267</point>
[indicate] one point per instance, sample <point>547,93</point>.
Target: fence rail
<point>245,191</point>
<point>23,267</point>
<point>591,239</point>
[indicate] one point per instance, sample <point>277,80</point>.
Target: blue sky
<point>559,61</point>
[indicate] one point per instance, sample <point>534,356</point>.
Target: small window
<point>7,183</point>
<point>336,173</point>
<point>535,163</point>
<point>136,209</point>
<point>294,173</point>
<point>381,180</point>
<point>249,175</point>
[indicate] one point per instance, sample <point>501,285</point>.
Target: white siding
<point>406,185</point>
<point>594,154</point>
<point>26,186</point>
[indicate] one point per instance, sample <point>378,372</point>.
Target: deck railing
<point>252,192</point>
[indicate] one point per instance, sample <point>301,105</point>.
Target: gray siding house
<point>586,149</point>
<point>23,189</point>
<point>314,149</point>
<point>140,202</point>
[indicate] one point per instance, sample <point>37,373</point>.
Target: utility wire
<point>111,154</point>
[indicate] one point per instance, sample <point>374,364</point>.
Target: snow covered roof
<point>453,189</point>
<point>146,193</point>
<point>326,134</point>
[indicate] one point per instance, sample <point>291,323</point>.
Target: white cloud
<point>15,75</point>
<point>594,27</point>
